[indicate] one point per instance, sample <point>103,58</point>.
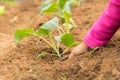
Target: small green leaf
<point>53,23</point>
<point>2,10</point>
<point>73,44</point>
<point>20,34</point>
<point>12,2</point>
<point>67,7</point>
<point>62,19</point>
<point>58,38</point>
<point>67,16</point>
<point>50,8</point>
<point>67,39</point>
<point>45,3</point>
<point>61,3</point>
<point>42,31</point>
<point>75,2</point>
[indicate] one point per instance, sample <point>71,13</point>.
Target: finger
<point>71,55</point>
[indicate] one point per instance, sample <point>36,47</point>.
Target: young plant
<point>45,30</point>
<point>8,1</point>
<point>2,10</point>
<point>63,10</point>
<point>77,2</point>
<point>63,78</point>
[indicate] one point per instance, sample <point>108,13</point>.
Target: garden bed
<point>18,61</point>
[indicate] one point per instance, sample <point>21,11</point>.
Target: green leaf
<point>58,38</point>
<point>53,23</point>
<point>67,7</point>
<point>62,19</point>
<point>67,39</point>
<point>45,3</point>
<point>12,2</point>
<point>61,3</point>
<point>20,34</point>
<point>50,8</point>
<point>74,2</point>
<point>42,31</point>
<point>73,44</point>
<point>67,16</point>
<point>2,10</point>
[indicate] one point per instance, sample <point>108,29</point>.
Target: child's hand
<point>81,48</point>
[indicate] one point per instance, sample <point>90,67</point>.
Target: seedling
<point>2,10</point>
<point>8,1</point>
<point>77,2</point>
<point>45,30</point>
<point>93,50</point>
<point>63,78</point>
<point>62,8</point>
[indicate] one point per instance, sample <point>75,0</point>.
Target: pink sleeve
<point>105,26</point>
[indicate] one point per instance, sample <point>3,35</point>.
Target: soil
<point>18,61</point>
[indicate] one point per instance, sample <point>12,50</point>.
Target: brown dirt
<point>18,61</point>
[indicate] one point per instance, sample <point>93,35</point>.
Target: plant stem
<point>51,43</point>
<point>61,29</point>
<point>67,27</point>
<point>91,52</point>
<point>45,41</point>
<point>58,42</point>
<point>54,46</point>
<point>65,51</point>
<point>72,21</point>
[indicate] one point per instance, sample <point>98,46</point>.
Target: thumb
<point>73,53</point>
<point>78,50</point>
